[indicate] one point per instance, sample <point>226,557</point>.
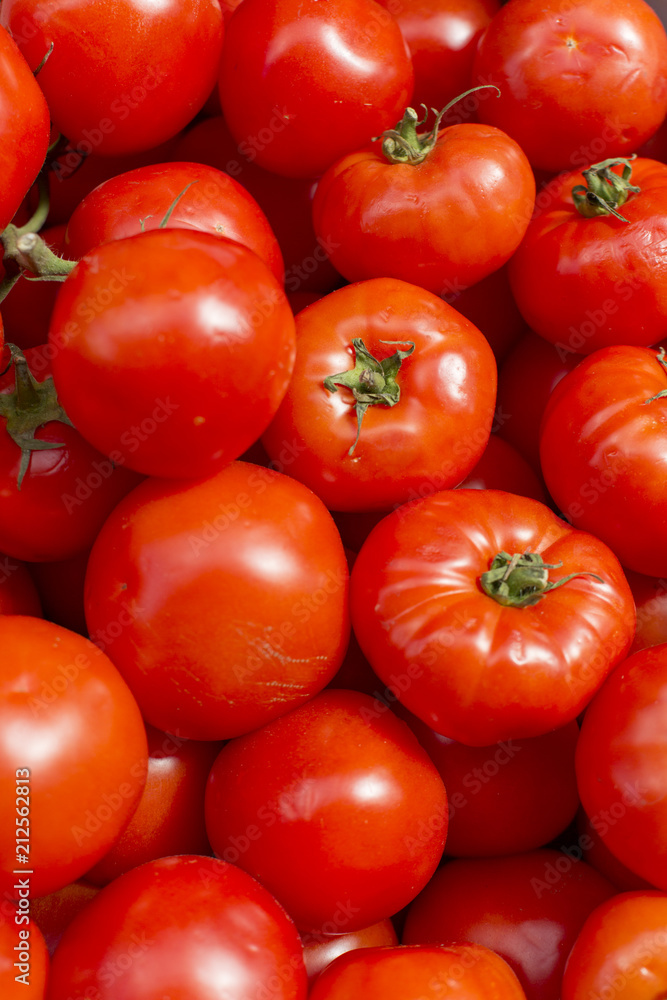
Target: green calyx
<point>522,579</point>
<point>660,358</point>
<point>404,144</point>
<point>371,381</point>
<point>31,405</point>
<point>605,190</point>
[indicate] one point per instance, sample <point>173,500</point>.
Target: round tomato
<point>490,617</point>
<point>357,67</point>
<point>222,602</point>
<point>182,927</point>
<point>585,282</point>
<point>26,311</point>
<point>122,75</point>
<point>577,82</point>
<point>392,397</point>
<point>319,950</point>
<point>73,750</point>
<point>621,763</point>
<point>603,451</point>
<point>191,195</point>
<point>334,807</point>
<point>441,209</point>
<point>172,350</point>
<point>54,912</point>
<point>501,467</point>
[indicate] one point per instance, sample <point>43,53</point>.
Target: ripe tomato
<point>334,807</point>
<point>650,594</point>
<point>26,311</point>
<point>172,350</point>
<point>139,200</point>
<point>18,594</point>
<point>54,912</point>
<point>24,959</point>
<point>597,854</point>
<point>589,282</point>
<point>441,209</point>
<point>357,67</point>
<point>460,972</point>
<point>621,950</point>
<point>603,449</point>
<point>319,950</point>
<point>123,75</point>
<point>490,305</point>
<point>222,602</point>
<point>468,663</point>
<point>182,927</point>
<point>577,83</point>
<point>25,127</point>
<point>620,763</point>
<point>73,749</point>
<point>501,467</point>
<point>428,440</point>
<point>528,908</point>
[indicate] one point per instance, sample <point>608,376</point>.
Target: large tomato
<point>223,602</point>
<point>441,209</point>
<point>578,82</point>
<point>172,350</point>
<point>24,128</point>
<point>491,617</point>
<point>603,451</point>
<point>334,807</point>
<point>73,750</point>
<point>122,75</point>
<point>302,83</point>
<point>585,279</point>
<point>393,364</point>
<point>183,928</point>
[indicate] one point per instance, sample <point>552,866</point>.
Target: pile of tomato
<point>333,500</point>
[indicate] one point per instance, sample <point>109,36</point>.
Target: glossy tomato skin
<point>603,451</point>
<point>24,959</point>
<point>597,853</point>
<point>169,818</point>
<point>490,305</point>
<point>442,224</point>
<point>231,594</point>
<point>60,692</point>
<point>66,493</point>
<point>334,807</point>
<point>464,971</point>
<point>622,948</point>
<point>469,667</point>
<point>124,75</point>
<point>139,200</point>
<point>650,594</point>
<point>577,85</point>
<point>501,467</point>
<point>584,284</point>
<point>620,763</point>
<point>54,912</point>
<point>319,950</point>
<point>359,73</point>
<point>25,127</point>
<point>527,907</point>
<point>429,440</point>
<point>173,349</point>
<point>193,927</point>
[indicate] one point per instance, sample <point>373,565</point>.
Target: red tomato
<point>501,467</point>
<point>430,625</point>
<point>172,350</point>
<point>650,594</point>
<point>60,588</point>
<point>54,912</point>
<point>27,309</point>
<point>187,928</point>
<point>578,83</point>
<point>586,283</point>
<point>597,854</point>
<point>621,763</point>
<point>319,950</point>
<point>18,594</point>
<point>506,798</point>
<point>357,67</point>
<point>603,451</point>
<point>334,807</point>
<point>442,36</point>
<point>433,433</point>
<point>24,959</point>
<point>441,209</point>
<point>67,491</point>
<point>139,200</point>
<point>73,748</point>
<point>170,816</point>
<point>25,126</point>
<point>528,908</point>
<point>123,75</point>
<point>490,305</point>
<point>460,972</point>
<point>250,541</point>
<point>621,950</point>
